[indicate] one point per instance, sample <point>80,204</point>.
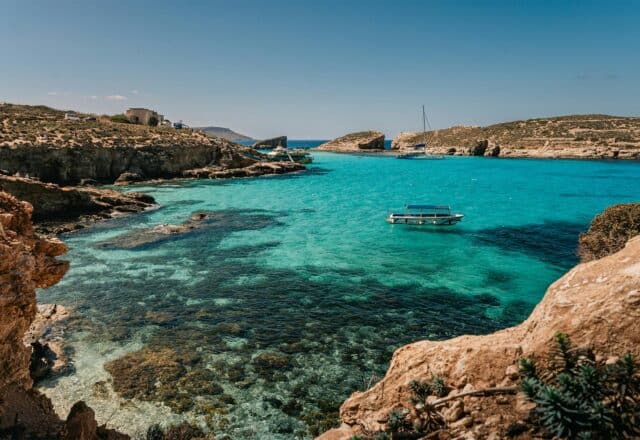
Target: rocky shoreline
<point>566,137</point>
<point>56,164</point>
<point>27,262</point>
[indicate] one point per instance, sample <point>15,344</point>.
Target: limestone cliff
<point>27,262</point>
<point>579,136</point>
<point>596,303</point>
<point>37,141</point>
<point>356,142</point>
<point>59,209</point>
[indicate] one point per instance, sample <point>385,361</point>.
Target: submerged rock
<point>162,375</point>
<point>356,142</point>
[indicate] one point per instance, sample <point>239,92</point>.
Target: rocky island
<point>271,142</point>
<point>363,141</point>
<point>576,137</point>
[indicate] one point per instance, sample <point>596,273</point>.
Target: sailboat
<point>420,150</point>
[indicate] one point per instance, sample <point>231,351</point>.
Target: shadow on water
<point>554,242</point>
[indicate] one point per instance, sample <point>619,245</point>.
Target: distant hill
<point>225,133</point>
<point>576,136</point>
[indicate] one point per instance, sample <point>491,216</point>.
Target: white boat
<point>427,215</point>
<point>419,151</point>
<point>281,153</point>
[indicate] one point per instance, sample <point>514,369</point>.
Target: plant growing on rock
<point>577,396</point>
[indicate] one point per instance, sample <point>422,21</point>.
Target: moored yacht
<point>280,153</point>
<point>428,215</point>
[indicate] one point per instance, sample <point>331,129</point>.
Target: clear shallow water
<point>299,291</point>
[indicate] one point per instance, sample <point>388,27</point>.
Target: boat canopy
<point>432,207</point>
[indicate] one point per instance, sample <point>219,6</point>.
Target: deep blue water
<point>297,292</point>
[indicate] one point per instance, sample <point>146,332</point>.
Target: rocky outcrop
<point>38,142</point>
<point>255,170</point>
<point>69,166</point>
<point>597,304</point>
<point>271,143</point>
<point>364,141</point>
<point>610,231</point>
<point>579,136</point>
<point>27,262</point>
<point>59,209</point>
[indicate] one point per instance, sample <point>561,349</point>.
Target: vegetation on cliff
<point>41,125</point>
<point>577,395</point>
<point>610,231</point>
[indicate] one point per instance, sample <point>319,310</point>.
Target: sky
<point>319,69</point>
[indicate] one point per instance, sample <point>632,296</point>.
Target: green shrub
<point>122,119</point>
<point>579,397</point>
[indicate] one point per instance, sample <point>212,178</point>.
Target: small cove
<point>299,295</point>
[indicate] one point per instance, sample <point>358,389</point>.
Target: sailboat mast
<point>424,130</point>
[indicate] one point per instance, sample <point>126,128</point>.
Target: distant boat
<point>428,215</point>
<point>280,153</point>
<point>420,150</point>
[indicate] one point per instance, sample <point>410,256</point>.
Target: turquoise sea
<point>297,292</point>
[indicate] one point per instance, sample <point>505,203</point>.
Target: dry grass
<point>40,125</point>
<point>565,131</point>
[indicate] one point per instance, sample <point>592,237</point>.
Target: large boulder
<point>356,142</point>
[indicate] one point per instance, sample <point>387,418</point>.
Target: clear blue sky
<point>319,69</point>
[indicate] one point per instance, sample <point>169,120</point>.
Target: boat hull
<point>396,219</point>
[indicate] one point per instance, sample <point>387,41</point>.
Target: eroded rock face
<point>272,142</point>
<point>27,262</point>
<point>596,304</point>
<point>356,142</point>
<point>59,209</point>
